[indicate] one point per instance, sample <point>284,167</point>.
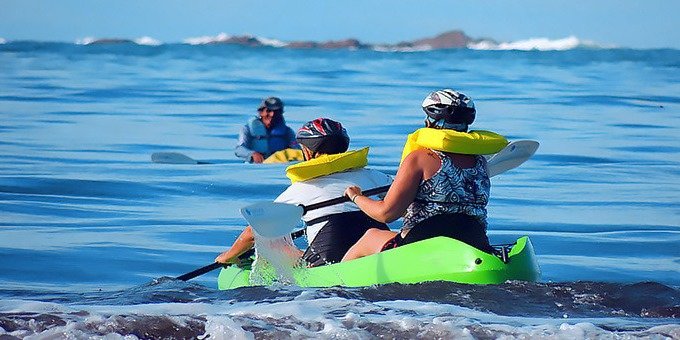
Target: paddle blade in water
<point>172,158</point>
<point>272,219</point>
<point>511,156</point>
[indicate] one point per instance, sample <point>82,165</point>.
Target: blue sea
<point>92,232</point>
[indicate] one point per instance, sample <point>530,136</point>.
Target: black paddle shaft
<point>200,271</point>
<point>343,199</point>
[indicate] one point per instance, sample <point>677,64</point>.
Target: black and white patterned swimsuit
<point>451,190</point>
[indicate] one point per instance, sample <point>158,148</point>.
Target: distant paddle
<point>271,219</point>
<point>174,158</point>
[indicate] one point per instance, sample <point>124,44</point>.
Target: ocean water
<point>92,232</point>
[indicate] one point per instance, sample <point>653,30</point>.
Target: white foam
<point>19,306</point>
<point>272,42</point>
<point>206,39</point>
<point>148,41</point>
<point>309,315</point>
<point>223,327</point>
<point>483,45</point>
<point>3,41</point>
<point>86,41</point>
<point>223,37</point>
<point>539,44</point>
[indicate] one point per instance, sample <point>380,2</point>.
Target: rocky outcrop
<point>451,39</point>
<point>244,40</point>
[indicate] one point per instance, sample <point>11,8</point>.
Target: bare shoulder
<point>421,155</point>
<point>424,161</point>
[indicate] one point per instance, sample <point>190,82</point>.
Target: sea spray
<point>277,260</point>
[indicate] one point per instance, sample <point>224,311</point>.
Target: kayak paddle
<point>200,271</point>
<point>512,156</point>
<point>272,219</point>
<point>174,158</point>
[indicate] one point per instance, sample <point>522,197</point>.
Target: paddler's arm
<point>243,243</point>
<point>401,194</point>
<point>242,147</point>
<point>292,141</point>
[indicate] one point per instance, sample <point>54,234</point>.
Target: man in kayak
<point>327,170</point>
<point>266,133</point>
<point>440,191</point>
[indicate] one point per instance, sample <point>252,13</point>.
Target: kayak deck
<point>436,259</point>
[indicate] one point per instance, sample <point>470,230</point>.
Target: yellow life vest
<point>327,164</point>
<point>285,156</point>
<point>476,142</point>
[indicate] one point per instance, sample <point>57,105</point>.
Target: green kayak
<point>435,259</point>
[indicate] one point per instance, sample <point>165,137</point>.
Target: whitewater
<point>92,232</point>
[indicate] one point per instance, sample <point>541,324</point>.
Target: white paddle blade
<point>172,158</point>
<point>511,156</point>
<point>271,219</point>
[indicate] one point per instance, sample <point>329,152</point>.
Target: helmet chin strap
<point>441,124</point>
<point>431,123</point>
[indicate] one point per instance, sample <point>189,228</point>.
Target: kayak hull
<point>435,259</point>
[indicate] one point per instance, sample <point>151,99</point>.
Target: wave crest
<point>224,38</point>
<point>148,41</point>
<point>539,44</point>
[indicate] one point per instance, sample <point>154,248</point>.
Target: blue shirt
<point>255,137</point>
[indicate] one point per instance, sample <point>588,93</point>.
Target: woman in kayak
<point>329,168</point>
<point>266,133</point>
<point>438,192</point>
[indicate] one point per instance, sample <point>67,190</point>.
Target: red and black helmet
<point>324,136</point>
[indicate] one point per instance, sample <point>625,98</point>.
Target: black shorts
<point>461,227</point>
<point>341,232</point>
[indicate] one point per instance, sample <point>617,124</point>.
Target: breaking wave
<point>224,38</point>
<point>540,44</point>
<point>170,309</point>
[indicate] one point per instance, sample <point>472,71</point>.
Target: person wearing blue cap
<point>266,133</point>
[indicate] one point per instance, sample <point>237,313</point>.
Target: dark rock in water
<point>451,39</point>
<point>245,40</point>
<point>332,44</point>
<point>105,41</point>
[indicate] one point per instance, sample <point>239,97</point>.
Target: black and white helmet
<point>449,109</point>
